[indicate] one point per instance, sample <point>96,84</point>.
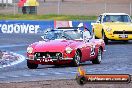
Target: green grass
<point>45,17</point>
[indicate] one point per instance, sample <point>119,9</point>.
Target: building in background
<point>6,1</point>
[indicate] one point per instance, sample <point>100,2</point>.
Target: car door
<point>85,52</point>
<point>86,46</point>
<point>97,27</point>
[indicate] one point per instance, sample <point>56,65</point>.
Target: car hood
<point>52,45</point>
<point>118,26</point>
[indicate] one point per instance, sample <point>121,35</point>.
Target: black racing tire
<point>81,80</point>
<point>76,59</point>
<point>98,59</point>
<point>31,65</point>
<point>104,37</point>
<point>125,41</point>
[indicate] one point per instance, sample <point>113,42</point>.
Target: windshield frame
<point>63,34</point>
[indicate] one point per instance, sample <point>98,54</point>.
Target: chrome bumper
<point>50,59</point>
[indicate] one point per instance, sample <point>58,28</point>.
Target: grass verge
<point>45,17</point>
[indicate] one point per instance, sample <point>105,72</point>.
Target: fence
<point>72,8</point>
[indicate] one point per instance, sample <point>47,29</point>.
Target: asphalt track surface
<point>116,60</point>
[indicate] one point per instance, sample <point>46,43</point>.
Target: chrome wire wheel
<point>99,55</point>
<point>98,59</point>
<point>77,58</point>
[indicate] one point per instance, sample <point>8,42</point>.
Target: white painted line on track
<point>27,75</point>
<point>105,70</point>
<point>14,76</point>
<point>58,73</point>
<point>119,69</point>
<point>21,59</point>
<point>73,72</point>
<point>42,74</point>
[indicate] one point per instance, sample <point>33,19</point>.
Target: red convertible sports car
<point>65,45</point>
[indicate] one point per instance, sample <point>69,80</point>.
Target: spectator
<point>24,10</point>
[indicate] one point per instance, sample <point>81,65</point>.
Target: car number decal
<point>92,50</point>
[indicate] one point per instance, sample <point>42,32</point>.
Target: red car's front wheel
<point>31,65</point>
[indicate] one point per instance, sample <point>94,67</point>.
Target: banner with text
<point>34,27</point>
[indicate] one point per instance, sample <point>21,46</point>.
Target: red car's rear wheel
<point>76,59</point>
<point>98,59</point>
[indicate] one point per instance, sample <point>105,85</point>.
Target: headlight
<point>68,50</point>
<point>29,49</point>
<point>108,29</point>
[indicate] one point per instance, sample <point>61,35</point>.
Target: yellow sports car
<point>113,26</point>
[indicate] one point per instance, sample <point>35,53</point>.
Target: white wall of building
<point>6,1</point>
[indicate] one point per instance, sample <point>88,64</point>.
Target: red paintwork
<point>60,46</point>
<point>21,3</point>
